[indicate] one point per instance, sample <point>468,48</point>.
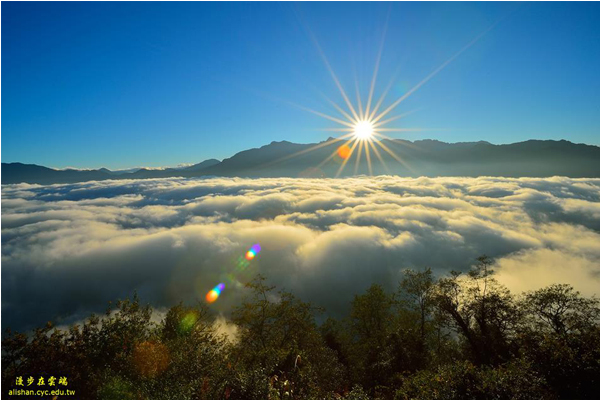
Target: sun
<point>363,130</point>
<point>364,126</point>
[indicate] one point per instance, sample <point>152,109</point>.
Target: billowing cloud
<point>69,249</point>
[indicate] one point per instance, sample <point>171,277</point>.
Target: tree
<point>416,299</point>
<point>561,309</point>
<point>83,352</point>
<point>418,288</point>
<point>279,337</point>
<point>482,311</point>
<point>463,380</point>
<point>370,325</point>
<point>544,346</point>
<point>561,338</point>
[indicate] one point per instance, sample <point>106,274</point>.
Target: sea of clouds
<point>68,249</point>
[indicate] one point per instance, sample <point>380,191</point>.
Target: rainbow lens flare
<point>213,295</point>
<point>242,264</point>
<point>254,250</point>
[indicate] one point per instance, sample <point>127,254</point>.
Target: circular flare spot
<point>150,359</point>
<point>211,296</point>
<point>344,151</point>
<point>214,294</point>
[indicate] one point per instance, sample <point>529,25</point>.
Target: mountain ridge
<point>426,157</point>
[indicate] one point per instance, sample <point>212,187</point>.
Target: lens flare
<point>365,123</point>
<point>150,358</point>
<point>214,294</point>
<point>254,250</point>
<point>187,322</point>
<point>242,264</point>
<point>344,151</point>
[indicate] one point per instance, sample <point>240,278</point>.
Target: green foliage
<point>357,393</point>
<point>370,328</point>
<point>278,335</point>
<point>561,336</point>
<point>462,336</point>
<point>561,310</point>
<point>481,311</point>
<point>117,388</point>
<point>462,380</point>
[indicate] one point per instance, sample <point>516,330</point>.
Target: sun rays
<point>361,125</point>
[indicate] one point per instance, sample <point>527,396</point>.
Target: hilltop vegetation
<point>456,337</point>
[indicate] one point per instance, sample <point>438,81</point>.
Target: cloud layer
<point>69,249</point>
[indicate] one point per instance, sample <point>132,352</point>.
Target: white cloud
<point>68,249</point>
<point>534,269</point>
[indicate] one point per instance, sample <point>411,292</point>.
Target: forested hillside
<point>462,336</point>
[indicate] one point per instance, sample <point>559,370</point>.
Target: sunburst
<point>363,130</point>
<point>361,127</point>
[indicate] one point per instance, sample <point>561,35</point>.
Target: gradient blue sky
<point>156,84</point>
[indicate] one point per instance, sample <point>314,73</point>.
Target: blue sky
<point>155,84</point>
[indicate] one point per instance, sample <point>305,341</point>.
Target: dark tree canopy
<point>460,336</point>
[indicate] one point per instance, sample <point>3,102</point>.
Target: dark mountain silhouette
<point>202,165</point>
<point>533,158</point>
<point>31,173</point>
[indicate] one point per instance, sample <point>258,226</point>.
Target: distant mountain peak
<point>276,143</point>
<point>201,165</point>
<point>427,157</point>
